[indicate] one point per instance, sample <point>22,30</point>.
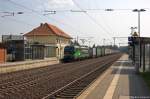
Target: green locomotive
<point>72,53</point>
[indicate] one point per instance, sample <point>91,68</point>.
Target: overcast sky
<point>99,24</point>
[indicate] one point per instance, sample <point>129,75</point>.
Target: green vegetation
<point>146,76</point>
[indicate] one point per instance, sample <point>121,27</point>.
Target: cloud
<point>59,3</point>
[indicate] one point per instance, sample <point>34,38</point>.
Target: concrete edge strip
<point>111,89</point>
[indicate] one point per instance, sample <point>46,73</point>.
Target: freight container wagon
<point>98,51</point>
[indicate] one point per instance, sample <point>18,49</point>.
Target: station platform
<point>28,64</point>
<point>120,81</point>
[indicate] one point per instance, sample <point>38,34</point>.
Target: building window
<point>28,53</point>
<point>57,40</point>
<point>50,51</point>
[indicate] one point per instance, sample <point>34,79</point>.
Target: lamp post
<point>139,11</point>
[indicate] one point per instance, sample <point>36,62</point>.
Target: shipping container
<point>94,52</point>
<point>103,51</point>
<point>90,52</point>
<point>98,51</point>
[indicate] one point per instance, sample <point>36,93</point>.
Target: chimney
<point>41,24</point>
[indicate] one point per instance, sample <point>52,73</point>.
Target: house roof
<point>43,30</point>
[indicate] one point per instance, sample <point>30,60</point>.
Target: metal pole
<point>103,42</point>
<point>114,41</point>
<point>139,37</point>
<point>77,39</point>
<point>139,23</point>
<point>143,57</point>
<point>89,43</point>
<point>149,57</point>
<point>131,30</point>
<point>60,48</point>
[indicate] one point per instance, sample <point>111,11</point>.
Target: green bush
<point>146,76</point>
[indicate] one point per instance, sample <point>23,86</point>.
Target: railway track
<point>38,83</point>
<point>74,88</point>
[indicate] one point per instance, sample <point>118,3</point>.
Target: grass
<point>146,77</point>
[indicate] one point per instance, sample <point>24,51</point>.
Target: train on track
<point>73,53</point>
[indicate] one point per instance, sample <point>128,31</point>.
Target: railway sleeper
<point>79,88</point>
<point>3,87</point>
<point>73,91</point>
<point>76,89</point>
<point>66,92</point>
<point>64,97</point>
<point>1,96</point>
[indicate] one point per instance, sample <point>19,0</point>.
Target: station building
<point>45,41</point>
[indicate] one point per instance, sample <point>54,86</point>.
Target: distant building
<point>14,45</point>
<point>48,40</point>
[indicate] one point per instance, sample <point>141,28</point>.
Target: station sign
<point>131,40</point>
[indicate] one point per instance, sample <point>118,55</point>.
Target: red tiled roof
<point>44,29</point>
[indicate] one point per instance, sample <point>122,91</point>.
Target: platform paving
<point>29,64</point>
<point>118,82</point>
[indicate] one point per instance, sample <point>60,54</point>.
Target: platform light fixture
<point>139,11</point>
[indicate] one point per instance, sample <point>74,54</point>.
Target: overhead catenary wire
<point>100,26</point>
<point>105,22</point>
<point>58,21</point>
<point>99,9</point>
<point>86,14</point>
<point>103,19</point>
<point>74,28</point>
<point>89,9</point>
<point>38,13</point>
<point>94,9</point>
<point>20,21</point>
<point>27,8</point>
